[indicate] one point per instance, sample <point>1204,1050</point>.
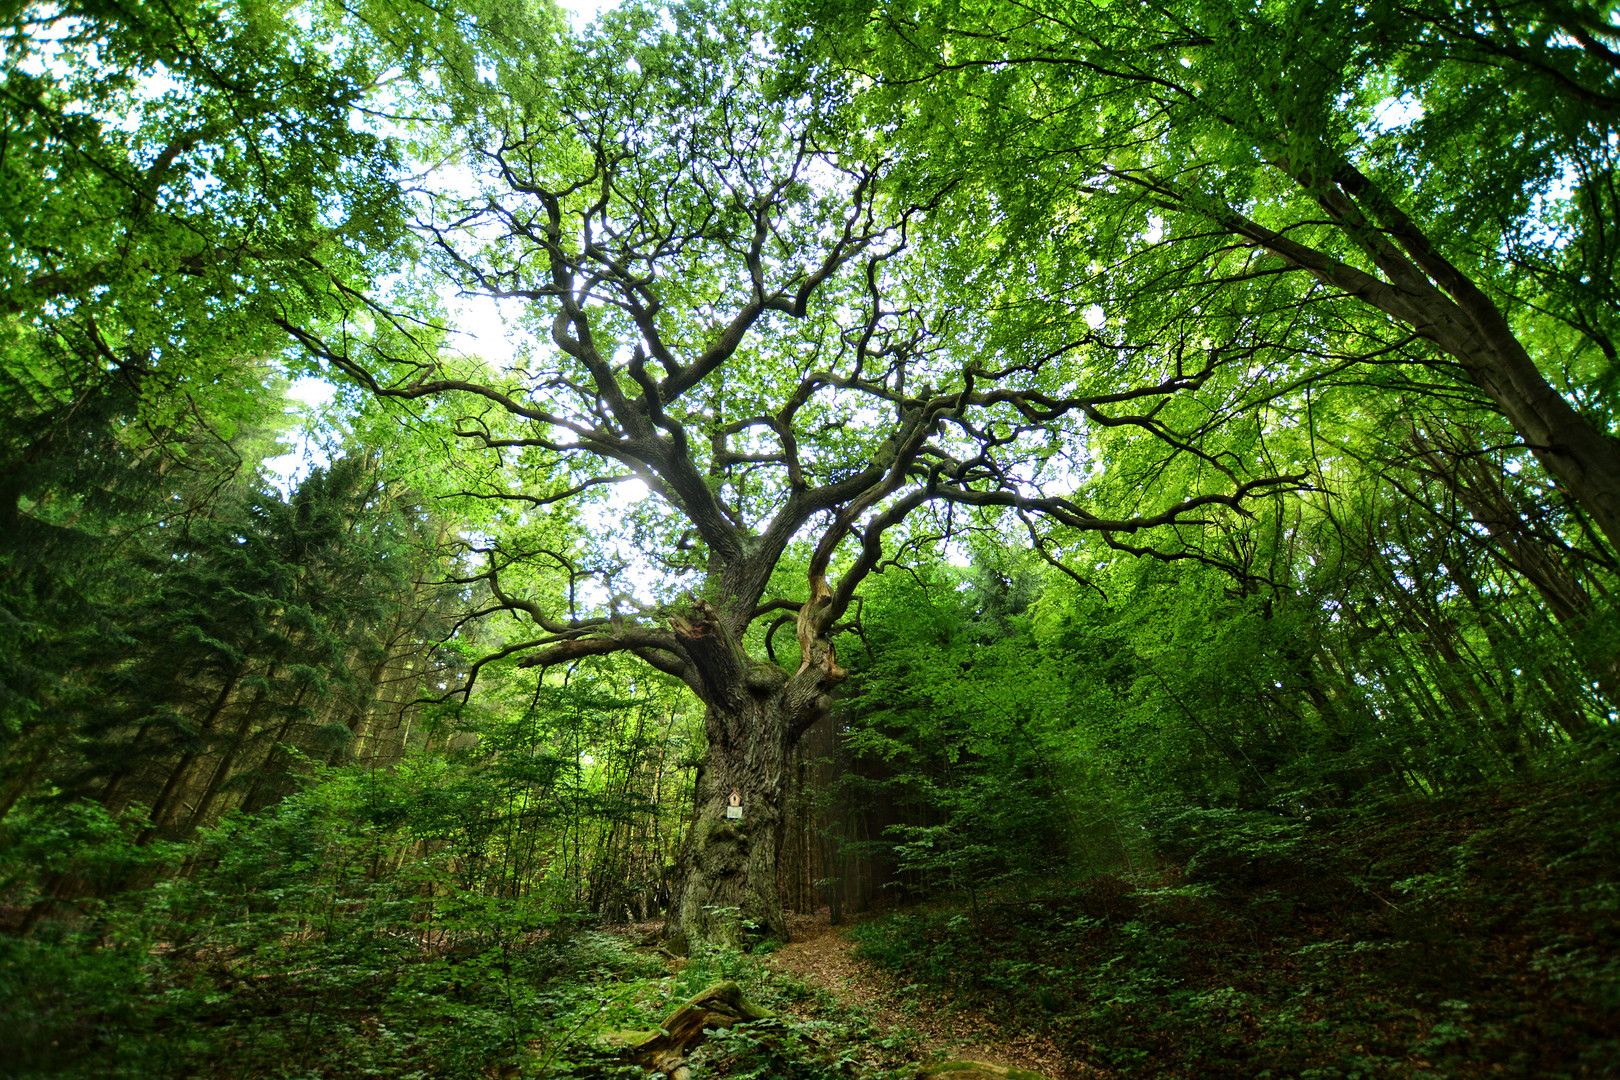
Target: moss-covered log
<point>665,1050</point>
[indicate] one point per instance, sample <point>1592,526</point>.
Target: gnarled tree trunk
<point>726,890</point>
<point>727,874</point>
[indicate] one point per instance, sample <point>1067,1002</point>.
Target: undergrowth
<point>1440,937</point>
<point>298,945</point>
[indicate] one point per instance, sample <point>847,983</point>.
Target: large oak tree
<point>735,298</point>
<point>1043,267</point>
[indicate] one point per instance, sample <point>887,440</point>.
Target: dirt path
<point>822,955</point>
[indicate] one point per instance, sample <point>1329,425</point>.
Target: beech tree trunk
<point>1442,304</point>
<point>1583,460</point>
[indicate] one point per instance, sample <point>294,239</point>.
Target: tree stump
<point>720,1006</point>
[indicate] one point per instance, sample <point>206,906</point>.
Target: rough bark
<point>727,873</point>
<point>726,890</point>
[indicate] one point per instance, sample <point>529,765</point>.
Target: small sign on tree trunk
<point>735,809</point>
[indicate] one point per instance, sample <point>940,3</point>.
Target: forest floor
<point>1469,937</point>
<point>822,955</point>
<point>900,1025</point>
<point>1464,938</point>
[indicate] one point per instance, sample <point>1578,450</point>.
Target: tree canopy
<point>1401,184</point>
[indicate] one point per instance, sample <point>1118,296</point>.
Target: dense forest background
<point>1226,677</point>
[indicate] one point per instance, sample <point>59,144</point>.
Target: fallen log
<point>665,1050</point>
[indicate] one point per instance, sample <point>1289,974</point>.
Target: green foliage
<point>191,653</point>
<point>927,276</point>
<point>304,941</point>
<point>1470,936</point>
<point>774,1048</point>
<point>573,790</point>
<point>811,1036</point>
<point>1226,845</point>
<point>79,841</point>
<point>952,699</point>
<point>183,181</point>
